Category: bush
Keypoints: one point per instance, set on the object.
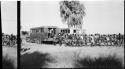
(34, 60)
(7, 63)
(101, 62)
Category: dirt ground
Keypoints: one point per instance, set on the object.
(64, 56)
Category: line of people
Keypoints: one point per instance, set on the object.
(9, 40)
(92, 39)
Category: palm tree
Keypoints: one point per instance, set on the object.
(72, 13)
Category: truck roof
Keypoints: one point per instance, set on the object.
(44, 27)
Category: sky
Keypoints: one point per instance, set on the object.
(101, 16)
(105, 17)
(9, 17)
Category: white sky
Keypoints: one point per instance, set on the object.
(9, 17)
(101, 16)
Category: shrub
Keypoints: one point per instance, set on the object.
(7, 63)
(34, 60)
(101, 62)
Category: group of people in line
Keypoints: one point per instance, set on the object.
(91, 39)
(9, 40)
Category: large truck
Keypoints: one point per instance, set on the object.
(43, 34)
(48, 35)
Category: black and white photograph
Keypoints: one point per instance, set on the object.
(9, 34)
(71, 34)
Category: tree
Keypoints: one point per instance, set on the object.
(72, 13)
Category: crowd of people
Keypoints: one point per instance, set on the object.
(91, 39)
(9, 40)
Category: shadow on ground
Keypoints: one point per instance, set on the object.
(34, 60)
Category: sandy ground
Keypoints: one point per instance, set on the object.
(64, 56)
